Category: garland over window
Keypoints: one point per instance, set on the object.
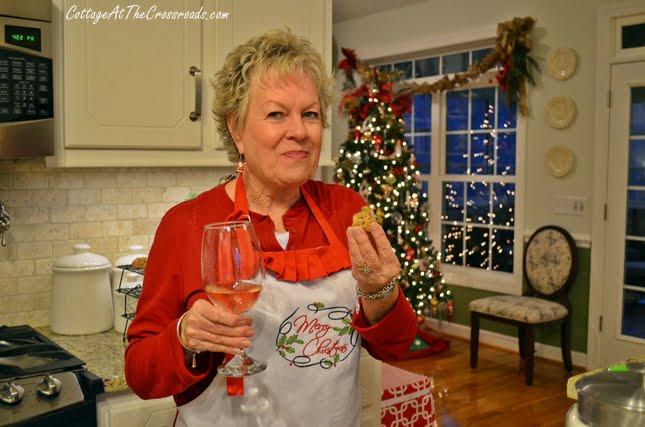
(511, 51)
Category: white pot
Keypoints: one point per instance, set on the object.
(125, 304)
(81, 296)
(134, 252)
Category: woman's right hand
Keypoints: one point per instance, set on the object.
(208, 327)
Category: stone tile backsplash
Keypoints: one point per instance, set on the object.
(52, 209)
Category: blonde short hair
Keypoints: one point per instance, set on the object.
(277, 51)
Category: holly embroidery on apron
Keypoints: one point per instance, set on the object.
(317, 336)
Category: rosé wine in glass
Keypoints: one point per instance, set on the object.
(233, 276)
(239, 297)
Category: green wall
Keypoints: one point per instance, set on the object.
(578, 295)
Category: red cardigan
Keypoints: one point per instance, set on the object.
(154, 358)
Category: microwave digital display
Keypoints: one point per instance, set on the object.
(28, 37)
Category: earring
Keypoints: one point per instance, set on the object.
(241, 164)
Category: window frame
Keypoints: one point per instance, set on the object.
(618, 24)
(471, 277)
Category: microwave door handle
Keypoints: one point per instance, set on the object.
(197, 73)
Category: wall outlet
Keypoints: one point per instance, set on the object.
(569, 205)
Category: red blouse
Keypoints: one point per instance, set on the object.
(154, 359)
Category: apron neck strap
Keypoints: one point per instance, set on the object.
(241, 211)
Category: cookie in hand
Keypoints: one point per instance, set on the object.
(363, 218)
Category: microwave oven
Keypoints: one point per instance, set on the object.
(26, 79)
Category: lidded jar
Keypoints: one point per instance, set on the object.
(81, 296)
(134, 252)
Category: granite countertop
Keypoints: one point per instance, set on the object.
(572, 393)
(102, 353)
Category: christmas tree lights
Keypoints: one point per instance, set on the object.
(377, 162)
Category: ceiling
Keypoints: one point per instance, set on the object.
(344, 10)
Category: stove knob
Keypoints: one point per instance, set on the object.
(11, 393)
(49, 386)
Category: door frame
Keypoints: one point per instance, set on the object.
(605, 58)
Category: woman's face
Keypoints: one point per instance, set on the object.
(281, 135)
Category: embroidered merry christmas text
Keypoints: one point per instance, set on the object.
(317, 336)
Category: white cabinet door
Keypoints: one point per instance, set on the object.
(369, 377)
(124, 91)
(125, 409)
(126, 80)
(312, 19)
(253, 17)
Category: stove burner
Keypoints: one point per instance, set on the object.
(42, 384)
(25, 351)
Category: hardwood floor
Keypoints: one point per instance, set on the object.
(494, 394)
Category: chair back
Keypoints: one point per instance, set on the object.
(550, 263)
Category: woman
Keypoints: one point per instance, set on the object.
(272, 98)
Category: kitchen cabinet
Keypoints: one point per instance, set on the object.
(130, 86)
(125, 409)
(369, 378)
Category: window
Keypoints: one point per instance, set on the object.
(466, 144)
(630, 35)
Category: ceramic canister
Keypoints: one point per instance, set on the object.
(81, 296)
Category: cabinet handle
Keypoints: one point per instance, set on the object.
(197, 73)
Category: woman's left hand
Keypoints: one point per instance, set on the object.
(374, 265)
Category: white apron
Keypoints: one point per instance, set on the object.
(304, 333)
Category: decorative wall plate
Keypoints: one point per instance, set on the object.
(560, 161)
(560, 112)
(561, 63)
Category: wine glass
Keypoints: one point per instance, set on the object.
(233, 276)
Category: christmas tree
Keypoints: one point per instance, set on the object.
(377, 162)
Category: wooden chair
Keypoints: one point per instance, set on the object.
(550, 265)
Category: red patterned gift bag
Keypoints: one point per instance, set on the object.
(406, 399)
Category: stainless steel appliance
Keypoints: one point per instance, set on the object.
(614, 397)
(42, 384)
(26, 79)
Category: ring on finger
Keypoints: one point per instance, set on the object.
(365, 269)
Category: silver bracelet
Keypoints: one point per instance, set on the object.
(192, 353)
(382, 293)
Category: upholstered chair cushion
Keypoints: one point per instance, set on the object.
(523, 309)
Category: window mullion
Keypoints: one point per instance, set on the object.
(491, 208)
(437, 168)
(493, 135)
(469, 127)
